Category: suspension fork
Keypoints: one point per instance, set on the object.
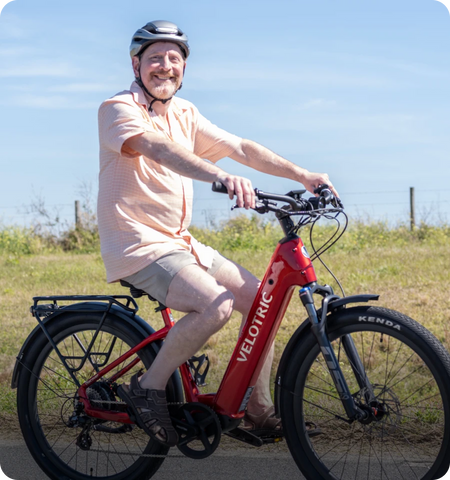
(358, 368)
(318, 329)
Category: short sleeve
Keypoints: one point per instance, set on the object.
(118, 121)
(213, 143)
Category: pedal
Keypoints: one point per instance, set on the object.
(195, 364)
(268, 436)
(245, 436)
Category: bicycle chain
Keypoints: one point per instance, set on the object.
(144, 455)
(115, 402)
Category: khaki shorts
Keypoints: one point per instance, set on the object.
(156, 277)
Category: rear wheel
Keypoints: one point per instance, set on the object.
(408, 435)
(64, 441)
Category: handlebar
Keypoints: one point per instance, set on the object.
(293, 199)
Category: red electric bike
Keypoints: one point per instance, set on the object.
(375, 383)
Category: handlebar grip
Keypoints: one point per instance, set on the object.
(219, 187)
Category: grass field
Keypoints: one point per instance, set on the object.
(409, 270)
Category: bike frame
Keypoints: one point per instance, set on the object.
(289, 267)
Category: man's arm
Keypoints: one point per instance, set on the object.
(182, 161)
(262, 159)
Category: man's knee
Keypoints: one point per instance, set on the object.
(221, 309)
(227, 305)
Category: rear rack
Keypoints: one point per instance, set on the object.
(42, 312)
(45, 309)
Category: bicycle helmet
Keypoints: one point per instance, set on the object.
(158, 31)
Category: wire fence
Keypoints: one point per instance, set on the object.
(392, 206)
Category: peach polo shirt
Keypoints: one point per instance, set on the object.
(144, 208)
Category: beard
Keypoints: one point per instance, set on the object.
(163, 90)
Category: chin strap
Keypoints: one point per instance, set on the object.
(155, 99)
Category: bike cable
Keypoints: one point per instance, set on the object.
(317, 253)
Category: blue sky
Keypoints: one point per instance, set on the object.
(357, 89)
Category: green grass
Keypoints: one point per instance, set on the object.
(408, 269)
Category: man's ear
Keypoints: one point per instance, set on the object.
(135, 63)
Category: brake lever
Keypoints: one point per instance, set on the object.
(263, 206)
(336, 202)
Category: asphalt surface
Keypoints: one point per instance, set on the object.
(228, 463)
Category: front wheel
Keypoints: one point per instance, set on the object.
(408, 435)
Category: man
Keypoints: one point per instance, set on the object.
(151, 147)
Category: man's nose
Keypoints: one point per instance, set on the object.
(165, 63)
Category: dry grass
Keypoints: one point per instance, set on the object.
(412, 279)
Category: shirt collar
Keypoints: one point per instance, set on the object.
(138, 95)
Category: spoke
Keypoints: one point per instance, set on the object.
(118, 453)
(70, 444)
(420, 388)
(135, 441)
(345, 454)
(362, 348)
(395, 360)
(357, 465)
(387, 361)
(371, 347)
(404, 459)
(395, 463)
(311, 373)
(374, 451)
(50, 388)
(324, 409)
(321, 391)
(399, 370)
(71, 458)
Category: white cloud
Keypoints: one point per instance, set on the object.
(388, 65)
(52, 102)
(315, 103)
(13, 26)
(13, 51)
(84, 88)
(39, 70)
(235, 76)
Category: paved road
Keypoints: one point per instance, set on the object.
(229, 463)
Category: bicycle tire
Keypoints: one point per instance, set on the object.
(46, 399)
(410, 372)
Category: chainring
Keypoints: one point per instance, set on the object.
(199, 430)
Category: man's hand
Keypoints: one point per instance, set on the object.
(241, 187)
(312, 180)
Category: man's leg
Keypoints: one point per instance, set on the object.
(208, 305)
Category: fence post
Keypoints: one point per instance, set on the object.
(77, 214)
(412, 214)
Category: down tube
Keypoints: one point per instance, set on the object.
(289, 267)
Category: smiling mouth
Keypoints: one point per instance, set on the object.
(163, 79)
